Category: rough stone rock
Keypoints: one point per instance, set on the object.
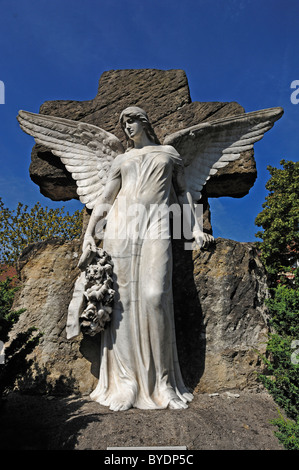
(219, 312)
(165, 95)
(48, 271)
(221, 317)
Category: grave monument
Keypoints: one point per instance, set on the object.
(129, 293)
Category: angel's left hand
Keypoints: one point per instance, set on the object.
(203, 240)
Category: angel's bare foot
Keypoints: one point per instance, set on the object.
(177, 404)
(120, 405)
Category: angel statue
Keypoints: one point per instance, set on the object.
(139, 363)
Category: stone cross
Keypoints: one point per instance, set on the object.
(165, 96)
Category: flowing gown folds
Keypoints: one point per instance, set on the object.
(139, 364)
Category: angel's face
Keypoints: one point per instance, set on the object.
(133, 127)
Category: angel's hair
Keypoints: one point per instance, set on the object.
(140, 114)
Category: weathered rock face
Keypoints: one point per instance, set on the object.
(48, 272)
(220, 318)
(166, 98)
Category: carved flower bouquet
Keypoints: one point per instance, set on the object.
(98, 293)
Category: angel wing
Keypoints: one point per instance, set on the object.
(209, 146)
(87, 151)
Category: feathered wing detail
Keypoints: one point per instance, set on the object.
(209, 146)
(87, 151)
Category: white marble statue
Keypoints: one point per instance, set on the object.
(139, 363)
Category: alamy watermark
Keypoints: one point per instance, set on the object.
(295, 95)
(295, 354)
(2, 354)
(2, 92)
(137, 221)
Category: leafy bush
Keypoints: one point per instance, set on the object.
(282, 375)
(282, 378)
(279, 253)
(14, 358)
(7, 316)
(284, 366)
(20, 227)
(288, 432)
(280, 218)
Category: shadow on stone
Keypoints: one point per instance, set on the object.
(33, 418)
(190, 328)
(90, 347)
(16, 363)
(35, 422)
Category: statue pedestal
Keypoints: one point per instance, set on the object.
(219, 312)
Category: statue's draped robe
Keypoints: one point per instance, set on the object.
(139, 364)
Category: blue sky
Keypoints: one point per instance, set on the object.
(231, 50)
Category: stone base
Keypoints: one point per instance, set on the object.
(219, 310)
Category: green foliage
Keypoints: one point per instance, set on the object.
(20, 227)
(280, 218)
(279, 253)
(288, 432)
(15, 363)
(282, 379)
(282, 382)
(7, 316)
(284, 307)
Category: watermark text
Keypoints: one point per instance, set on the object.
(2, 92)
(295, 95)
(2, 354)
(295, 354)
(138, 221)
